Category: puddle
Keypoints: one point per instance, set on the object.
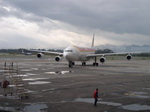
(65, 72)
(2, 71)
(59, 72)
(31, 108)
(110, 103)
(34, 79)
(146, 88)
(34, 69)
(20, 75)
(132, 107)
(91, 100)
(36, 108)
(138, 94)
(52, 89)
(54, 73)
(136, 107)
(39, 82)
(28, 69)
(25, 70)
(86, 100)
(29, 74)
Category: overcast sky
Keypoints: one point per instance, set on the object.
(60, 23)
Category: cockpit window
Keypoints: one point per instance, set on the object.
(68, 51)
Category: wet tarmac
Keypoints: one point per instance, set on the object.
(124, 86)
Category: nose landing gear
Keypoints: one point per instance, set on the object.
(71, 64)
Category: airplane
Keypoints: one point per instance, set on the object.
(76, 53)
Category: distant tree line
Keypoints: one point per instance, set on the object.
(18, 51)
(11, 51)
(143, 55)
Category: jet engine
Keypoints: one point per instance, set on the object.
(40, 55)
(102, 59)
(58, 58)
(129, 56)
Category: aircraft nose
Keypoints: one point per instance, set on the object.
(68, 56)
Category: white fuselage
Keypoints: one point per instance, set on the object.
(74, 53)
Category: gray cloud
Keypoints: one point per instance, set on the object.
(119, 16)
(115, 21)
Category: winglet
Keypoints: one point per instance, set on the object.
(93, 40)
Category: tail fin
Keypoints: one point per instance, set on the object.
(93, 40)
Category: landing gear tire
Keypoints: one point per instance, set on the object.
(95, 64)
(71, 64)
(83, 63)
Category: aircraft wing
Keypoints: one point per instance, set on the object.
(103, 54)
(47, 52)
(109, 54)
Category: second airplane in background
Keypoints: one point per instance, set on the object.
(75, 53)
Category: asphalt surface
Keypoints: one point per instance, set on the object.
(124, 86)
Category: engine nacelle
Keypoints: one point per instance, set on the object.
(40, 55)
(129, 57)
(58, 58)
(102, 59)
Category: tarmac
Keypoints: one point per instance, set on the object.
(124, 86)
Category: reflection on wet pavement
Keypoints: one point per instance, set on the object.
(25, 70)
(52, 89)
(138, 94)
(28, 69)
(30, 108)
(34, 79)
(91, 100)
(119, 78)
(30, 74)
(133, 107)
(39, 82)
(136, 107)
(59, 72)
(36, 108)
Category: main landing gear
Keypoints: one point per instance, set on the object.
(95, 62)
(71, 63)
